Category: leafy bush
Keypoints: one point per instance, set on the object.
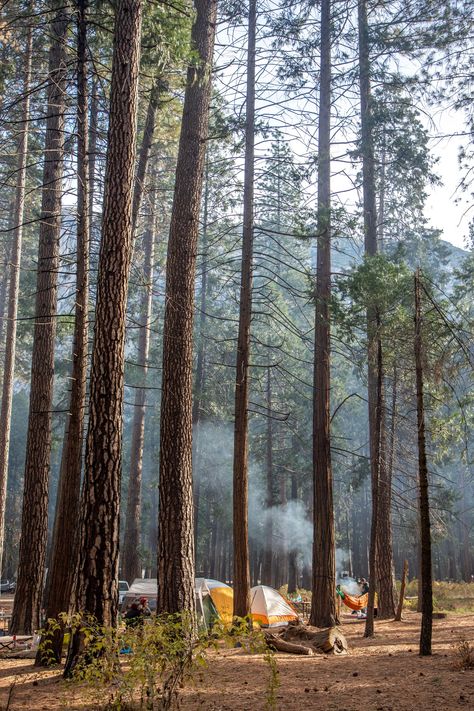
(146, 666)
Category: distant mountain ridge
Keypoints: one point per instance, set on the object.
(348, 252)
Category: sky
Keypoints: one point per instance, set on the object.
(441, 207)
(446, 208)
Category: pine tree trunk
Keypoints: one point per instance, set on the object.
(200, 369)
(293, 558)
(367, 143)
(13, 270)
(213, 549)
(384, 560)
(92, 140)
(268, 547)
(280, 573)
(418, 568)
(464, 531)
(424, 504)
(97, 579)
(365, 528)
(385, 567)
(348, 542)
(240, 466)
(393, 424)
(175, 518)
(8, 247)
(382, 188)
(131, 563)
(144, 154)
(153, 530)
(34, 525)
(375, 473)
(254, 564)
(356, 513)
(224, 547)
(380, 555)
(323, 607)
(398, 614)
(230, 559)
(65, 539)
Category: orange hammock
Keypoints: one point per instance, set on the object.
(356, 602)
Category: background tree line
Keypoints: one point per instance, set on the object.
(208, 285)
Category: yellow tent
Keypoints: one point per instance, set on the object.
(214, 601)
(223, 599)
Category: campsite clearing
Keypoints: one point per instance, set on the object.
(381, 674)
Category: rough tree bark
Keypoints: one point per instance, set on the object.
(175, 518)
(465, 524)
(375, 353)
(401, 598)
(145, 148)
(374, 349)
(393, 424)
(268, 547)
(152, 534)
(65, 539)
(213, 548)
(323, 606)
(131, 564)
(13, 269)
(34, 524)
(92, 140)
(384, 559)
(241, 576)
(97, 579)
(384, 541)
(385, 566)
(200, 380)
(280, 567)
(293, 557)
(7, 251)
(367, 142)
(424, 503)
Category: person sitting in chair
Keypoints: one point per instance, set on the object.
(138, 611)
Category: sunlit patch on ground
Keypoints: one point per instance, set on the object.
(380, 674)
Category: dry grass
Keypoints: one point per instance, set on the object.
(463, 655)
(447, 597)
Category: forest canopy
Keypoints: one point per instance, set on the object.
(236, 315)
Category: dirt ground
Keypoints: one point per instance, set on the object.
(381, 674)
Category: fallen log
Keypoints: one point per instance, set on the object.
(299, 636)
(275, 642)
(19, 654)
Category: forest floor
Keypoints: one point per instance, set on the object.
(380, 674)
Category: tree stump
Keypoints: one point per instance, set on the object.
(298, 637)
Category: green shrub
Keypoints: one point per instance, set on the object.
(158, 659)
